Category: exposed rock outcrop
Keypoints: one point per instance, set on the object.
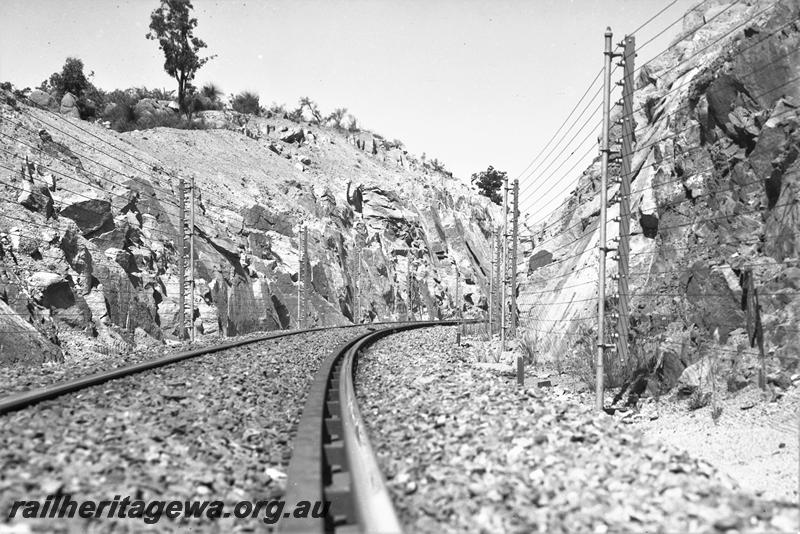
(374, 229)
(715, 192)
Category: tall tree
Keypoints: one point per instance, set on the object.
(490, 183)
(173, 26)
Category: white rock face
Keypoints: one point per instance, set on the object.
(705, 149)
(375, 228)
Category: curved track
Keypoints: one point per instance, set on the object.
(332, 460)
(21, 400)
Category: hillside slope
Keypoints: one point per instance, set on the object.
(714, 200)
(90, 227)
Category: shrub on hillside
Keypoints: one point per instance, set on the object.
(208, 98)
(72, 80)
(311, 108)
(277, 110)
(170, 121)
(394, 143)
(246, 102)
(352, 124)
(120, 111)
(336, 118)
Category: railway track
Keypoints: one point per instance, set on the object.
(333, 460)
(176, 396)
(21, 400)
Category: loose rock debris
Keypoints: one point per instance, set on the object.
(464, 450)
(218, 427)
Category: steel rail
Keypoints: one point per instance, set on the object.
(24, 399)
(332, 460)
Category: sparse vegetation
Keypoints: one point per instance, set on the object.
(394, 143)
(306, 104)
(352, 124)
(437, 166)
(336, 118)
(490, 183)
(278, 110)
(529, 352)
(246, 102)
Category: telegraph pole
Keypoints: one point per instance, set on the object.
(306, 277)
(513, 284)
(514, 239)
(504, 268)
(409, 312)
(358, 284)
(458, 304)
(603, 250)
(191, 255)
(498, 254)
(300, 277)
(181, 261)
(491, 291)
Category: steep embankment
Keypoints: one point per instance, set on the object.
(91, 221)
(714, 200)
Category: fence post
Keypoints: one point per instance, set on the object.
(182, 260)
(603, 250)
(623, 245)
(755, 332)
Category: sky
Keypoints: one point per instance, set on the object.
(472, 83)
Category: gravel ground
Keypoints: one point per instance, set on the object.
(465, 450)
(217, 427)
(755, 441)
(20, 377)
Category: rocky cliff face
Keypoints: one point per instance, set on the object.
(715, 191)
(91, 223)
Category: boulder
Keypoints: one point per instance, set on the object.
(69, 106)
(36, 197)
(150, 107)
(40, 98)
(539, 259)
(41, 280)
(114, 238)
(21, 342)
(295, 135)
(123, 258)
(695, 377)
(92, 215)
